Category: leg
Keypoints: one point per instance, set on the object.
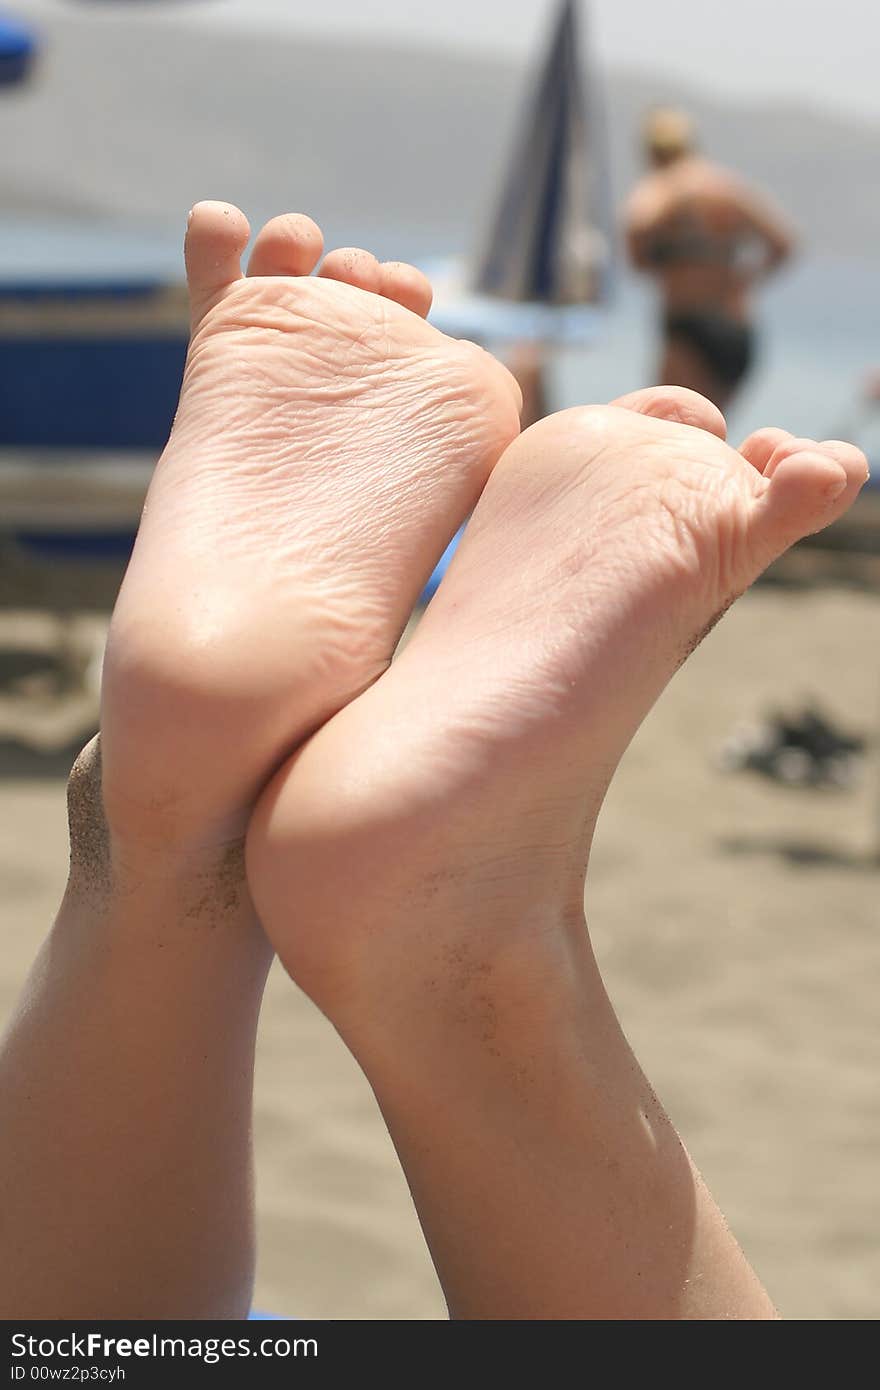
(125, 1088)
(682, 365)
(328, 443)
(461, 794)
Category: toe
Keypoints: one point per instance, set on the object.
(288, 245)
(787, 447)
(851, 459)
(758, 448)
(216, 236)
(676, 403)
(352, 266)
(808, 485)
(834, 452)
(407, 286)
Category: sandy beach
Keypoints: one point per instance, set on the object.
(738, 924)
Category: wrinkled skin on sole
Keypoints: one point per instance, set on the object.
(327, 444)
(462, 789)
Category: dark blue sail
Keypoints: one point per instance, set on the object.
(549, 238)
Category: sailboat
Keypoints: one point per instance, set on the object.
(543, 272)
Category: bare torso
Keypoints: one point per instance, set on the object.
(704, 236)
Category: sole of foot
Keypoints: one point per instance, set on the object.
(444, 819)
(328, 443)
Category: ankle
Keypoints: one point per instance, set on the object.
(476, 1008)
(408, 965)
(152, 891)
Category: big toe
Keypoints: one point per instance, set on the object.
(677, 404)
(808, 486)
(216, 236)
(288, 245)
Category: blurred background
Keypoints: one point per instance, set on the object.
(734, 892)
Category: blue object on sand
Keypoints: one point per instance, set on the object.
(442, 566)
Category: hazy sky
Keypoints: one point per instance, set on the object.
(828, 52)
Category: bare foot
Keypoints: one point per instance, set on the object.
(327, 445)
(436, 823)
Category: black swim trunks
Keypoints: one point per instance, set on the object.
(725, 344)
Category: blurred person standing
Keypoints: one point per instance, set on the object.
(708, 239)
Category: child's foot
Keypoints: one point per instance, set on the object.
(327, 445)
(436, 824)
